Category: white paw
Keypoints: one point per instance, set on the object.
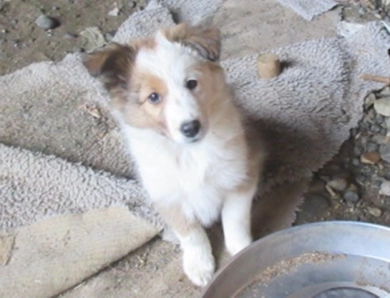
(237, 244)
(198, 265)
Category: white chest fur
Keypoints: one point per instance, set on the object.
(195, 176)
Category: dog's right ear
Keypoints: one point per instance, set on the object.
(206, 41)
(112, 65)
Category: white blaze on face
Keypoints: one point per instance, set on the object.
(174, 65)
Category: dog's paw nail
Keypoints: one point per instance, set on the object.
(199, 268)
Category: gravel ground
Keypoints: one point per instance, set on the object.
(355, 184)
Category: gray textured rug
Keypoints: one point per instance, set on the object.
(309, 9)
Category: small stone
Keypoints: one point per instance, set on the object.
(132, 4)
(382, 106)
(109, 35)
(369, 100)
(387, 123)
(379, 139)
(93, 38)
(46, 22)
(356, 162)
(362, 11)
(385, 152)
(69, 35)
(370, 147)
(385, 92)
(114, 12)
(375, 128)
(370, 158)
(385, 188)
(351, 196)
(357, 151)
(339, 184)
(352, 187)
(374, 211)
(380, 118)
(363, 140)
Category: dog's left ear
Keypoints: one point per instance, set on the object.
(112, 65)
(206, 41)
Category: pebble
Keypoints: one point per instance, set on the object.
(356, 162)
(369, 100)
(385, 188)
(339, 184)
(109, 35)
(46, 22)
(351, 196)
(114, 12)
(364, 140)
(374, 211)
(370, 147)
(132, 4)
(385, 152)
(382, 106)
(378, 139)
(93, 38)
(370, 158)
(69, 35)
(385, 92)
(375, 128)
(357, 151)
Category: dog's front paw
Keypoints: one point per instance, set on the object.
(198, 265)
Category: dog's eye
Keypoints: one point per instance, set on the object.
(191, 84)
(154, 98)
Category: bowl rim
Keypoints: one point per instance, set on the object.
(276, 234)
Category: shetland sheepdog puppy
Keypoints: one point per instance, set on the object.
(193, 153)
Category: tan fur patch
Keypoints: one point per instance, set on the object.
(148, 43)
(140, 111)
(175, 218)
(205, 41)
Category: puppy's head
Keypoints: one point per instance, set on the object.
(167, 83)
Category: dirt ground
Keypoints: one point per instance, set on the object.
(357, 193)
(23, 42)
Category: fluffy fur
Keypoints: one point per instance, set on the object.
(193, 177)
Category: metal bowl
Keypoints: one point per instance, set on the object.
(327, 259)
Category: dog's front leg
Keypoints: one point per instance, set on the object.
(198, 260)
(236, 213)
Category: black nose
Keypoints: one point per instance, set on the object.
(190, 129)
